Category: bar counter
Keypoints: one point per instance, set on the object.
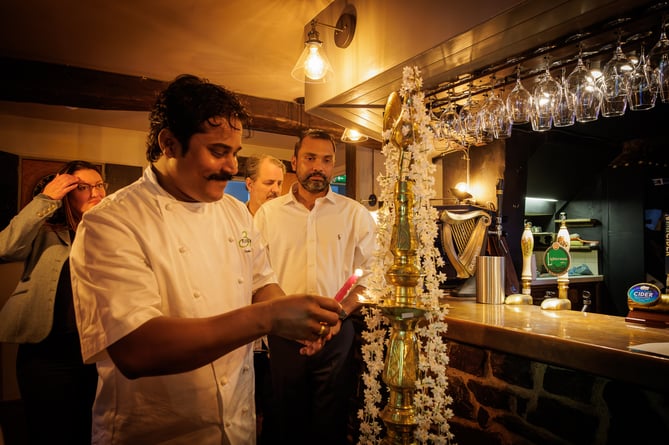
(594, 343)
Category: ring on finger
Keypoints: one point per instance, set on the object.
(322, 330)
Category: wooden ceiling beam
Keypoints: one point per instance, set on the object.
(55, 84)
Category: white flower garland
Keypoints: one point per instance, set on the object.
(431, 398)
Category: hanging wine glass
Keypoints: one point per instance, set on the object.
(469, 121)
(614, 83)
(564, 109)
(658, 59)
(519, 102)
(486, 120)
(642, 92)
(504, 123)
(545, 95)
(586, 94)
(497, 117)
(450, 122)
(435, 125)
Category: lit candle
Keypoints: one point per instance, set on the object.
(341, 293)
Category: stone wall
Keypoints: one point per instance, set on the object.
(506, 399)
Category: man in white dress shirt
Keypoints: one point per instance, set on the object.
(164, 275)
(316, 239)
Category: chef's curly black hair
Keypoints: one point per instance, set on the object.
(184, 107)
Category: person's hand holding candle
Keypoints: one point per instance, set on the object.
(341, 293)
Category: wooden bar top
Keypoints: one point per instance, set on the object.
(594, 343)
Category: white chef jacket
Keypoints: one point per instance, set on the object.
(316, 251)
(141, 254)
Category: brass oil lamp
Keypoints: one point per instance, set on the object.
(400, 308)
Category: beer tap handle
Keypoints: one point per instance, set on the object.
(500, 195)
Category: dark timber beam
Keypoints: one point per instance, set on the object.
(54, 84)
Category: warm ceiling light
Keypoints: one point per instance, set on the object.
(352, 136)
(313, 65)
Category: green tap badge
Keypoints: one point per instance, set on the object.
(557, 259)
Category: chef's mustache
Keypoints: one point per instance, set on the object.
(220, 177)
(322, 176)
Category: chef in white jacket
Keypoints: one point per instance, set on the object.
(172, 285)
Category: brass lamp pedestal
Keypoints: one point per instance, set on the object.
(400, 374)
(401, 364)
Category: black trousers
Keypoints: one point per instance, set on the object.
(57, 390)
(311, 394)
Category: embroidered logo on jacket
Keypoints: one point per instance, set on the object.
(245, 242)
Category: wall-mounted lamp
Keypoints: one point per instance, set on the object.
(313, 65)
(352, 136)
(461, 192)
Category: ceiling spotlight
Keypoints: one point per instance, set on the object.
(313, 65)
(352, 136)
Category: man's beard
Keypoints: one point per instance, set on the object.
(315, 187)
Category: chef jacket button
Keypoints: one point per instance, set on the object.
(168, 206)
(224, 381)
(231, 239)
(182, 249)
(245, 368)
(245, 410)
(240, 280)
(197, 294)
(228, 424)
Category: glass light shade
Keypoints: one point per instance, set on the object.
(313, 65)
(352, 136)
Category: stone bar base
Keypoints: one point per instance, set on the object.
(506, 399)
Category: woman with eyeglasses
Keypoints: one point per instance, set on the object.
(57, 388)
